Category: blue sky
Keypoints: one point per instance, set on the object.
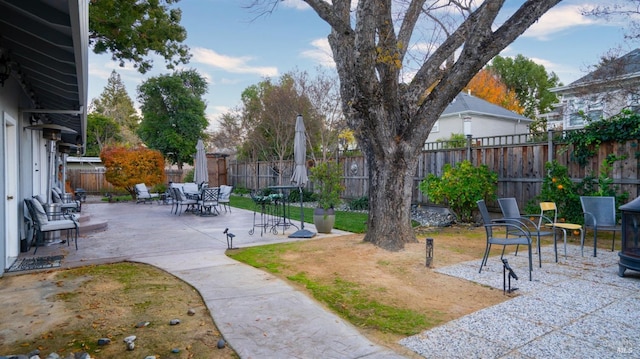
(233, 48)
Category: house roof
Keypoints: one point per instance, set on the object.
(46, 42)
(465, 104)
(624, 68)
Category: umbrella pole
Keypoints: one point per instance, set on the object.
(302, 233)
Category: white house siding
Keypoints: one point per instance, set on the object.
(481, 126)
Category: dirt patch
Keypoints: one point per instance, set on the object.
(69, 310)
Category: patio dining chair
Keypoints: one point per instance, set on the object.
(181, 201)
(600, 215)
(225, 197)
(208, 201)
(547, 208)
(510, 210)
(42, 224)
(520, 235)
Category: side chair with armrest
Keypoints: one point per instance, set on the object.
(143, 195)
(42, 224)
(208, 201)
(70, 205)
(510, 210)
(520, 235)
(600, 215)
(181, 200)
(225, 196)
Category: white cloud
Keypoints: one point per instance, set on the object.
(558, 19)
(321, 53)
(295, 4)
(231, 64)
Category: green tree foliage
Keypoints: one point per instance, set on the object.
(460, 187)
(129, 30)
(101, 131)
(114, 102)
(267, 117)
(127, 167)
(530, 81)
(326, 177)
(456, 140)
(173, 114)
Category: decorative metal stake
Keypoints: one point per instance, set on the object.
(507, 272)
(229, 238)
(429, 252)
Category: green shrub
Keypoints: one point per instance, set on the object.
(307, 196)
(460, 187)
(359, 204)
(189, 176)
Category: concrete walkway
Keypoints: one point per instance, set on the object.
(259, 315)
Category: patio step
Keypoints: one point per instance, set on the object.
(89, 224)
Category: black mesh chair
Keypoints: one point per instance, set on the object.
(520, 235)
(600, 215)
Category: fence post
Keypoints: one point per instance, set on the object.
(469, 148)
(549, 145)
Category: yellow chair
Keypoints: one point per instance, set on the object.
(546, 208)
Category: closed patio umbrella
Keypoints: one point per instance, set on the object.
(201, 174)
(299, 177)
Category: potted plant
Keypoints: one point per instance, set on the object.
(326, 178)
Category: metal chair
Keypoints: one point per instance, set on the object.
(181, 200)
(143, 195)
(600, 215)
(42, 224)
(208, 201)
(521, 235)
(225, 196)
(510, 210)
(545, 208)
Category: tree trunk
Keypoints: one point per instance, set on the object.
(390, 189)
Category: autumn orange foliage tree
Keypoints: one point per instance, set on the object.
(489, 87)
(127, 167)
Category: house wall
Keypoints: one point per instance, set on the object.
(595, 106)
(481, 126)
(10, 210)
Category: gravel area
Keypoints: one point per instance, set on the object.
(576, 308)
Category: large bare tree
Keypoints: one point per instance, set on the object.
(392, 116)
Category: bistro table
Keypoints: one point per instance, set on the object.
(282, 209)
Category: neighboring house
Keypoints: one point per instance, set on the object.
(470, 115)
(600, 94)
(84, 163)
(43, 101)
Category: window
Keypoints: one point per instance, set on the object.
(436, 127)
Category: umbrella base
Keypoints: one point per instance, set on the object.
(303, 233)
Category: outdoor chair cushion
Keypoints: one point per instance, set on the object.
(190, 188)
(41, 214)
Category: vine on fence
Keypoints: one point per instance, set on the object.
(620, 128)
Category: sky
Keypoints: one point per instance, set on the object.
(234, 48)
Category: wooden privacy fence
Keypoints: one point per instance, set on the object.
(94, 181)
(519, 161)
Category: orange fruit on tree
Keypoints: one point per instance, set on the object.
(560, 186)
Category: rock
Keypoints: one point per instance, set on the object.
(174, 322)
(142, 324)
(175, 350)
(129, 339)
(104, 341)
(150, 357)
(131, 345)
(221, 344)
(191, 311)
